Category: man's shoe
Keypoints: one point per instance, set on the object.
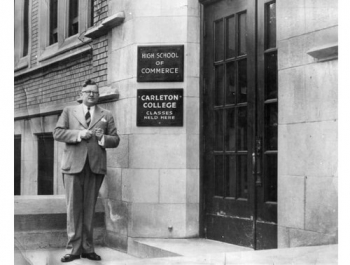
(70, 257)
(92, 256)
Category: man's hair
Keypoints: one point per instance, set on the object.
(89, 82)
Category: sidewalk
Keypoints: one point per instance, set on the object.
(315, 255)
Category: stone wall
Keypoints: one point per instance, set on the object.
(307, 141)
(152, 183)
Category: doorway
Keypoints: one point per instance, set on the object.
(239, 122)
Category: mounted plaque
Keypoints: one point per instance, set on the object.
(159, 107)
(160, 63)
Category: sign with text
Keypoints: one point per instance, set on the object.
(160, 63)
(159, 107)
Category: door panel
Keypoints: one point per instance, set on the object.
(240, 123)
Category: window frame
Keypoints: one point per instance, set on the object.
(21, 61)
(64, 42)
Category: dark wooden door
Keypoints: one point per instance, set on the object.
(240, 122)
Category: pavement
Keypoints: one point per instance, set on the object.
(191, 252)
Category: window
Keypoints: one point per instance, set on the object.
(22, 34)
(17, 164)
(66, 22)
(45, 164)
(53, 21)
(73, 25)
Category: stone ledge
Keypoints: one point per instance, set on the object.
(45, 204)
(105, 26)
(324, 53)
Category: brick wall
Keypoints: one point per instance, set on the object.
(61, 81)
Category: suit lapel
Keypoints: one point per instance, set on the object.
(79, 115)
(98, 114)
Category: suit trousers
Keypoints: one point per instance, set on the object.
(81, 196)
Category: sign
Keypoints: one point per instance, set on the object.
(160, 63)
(159, 107)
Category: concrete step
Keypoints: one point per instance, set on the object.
(158, 248)
(40, 222)
(53, 257)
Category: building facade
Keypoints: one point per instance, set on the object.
(249, 158)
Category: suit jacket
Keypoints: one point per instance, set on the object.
(70, 123)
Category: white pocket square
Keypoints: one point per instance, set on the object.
(103, 119)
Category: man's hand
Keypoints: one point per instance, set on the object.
(86, 134)
(99, 133)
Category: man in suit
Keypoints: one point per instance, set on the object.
(87, 130)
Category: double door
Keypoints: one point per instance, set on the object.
(239, 118)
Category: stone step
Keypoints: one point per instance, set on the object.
(159, 248)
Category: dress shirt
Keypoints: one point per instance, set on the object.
(92, 111)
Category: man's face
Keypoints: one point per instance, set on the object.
(90, 95)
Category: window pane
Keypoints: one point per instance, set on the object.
(219, 176)
(242, 129)
(73, 17)
(271, 76)
(53, 21)
(231, 136)
(219, 85)
(17, 164)
(219, 130)
(242, 176)
(271, 25)
(230, 32)
(45, 164)
(231, 176)
(230, 83)
(91, 19)
(271, 124)
(219, 40)
(25, 28)
(242, 33)
(271, 177)
(242, 81)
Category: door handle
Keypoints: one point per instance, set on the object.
(256, 170)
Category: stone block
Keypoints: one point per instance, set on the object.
(300, 238)
(116, 216)
(124, 122)
(29, 178)
(192, 59)
(321, 213)
(18, 128)
(320, 14)
(192, 220)
(164, 30)
(154, 220)
(192, 186)
(291, 18)
(291, 201)
(191, 113)
(192, 87)
(308, 93)
(30, 150)
(28, 131)
(122, 36)
(140, 185)
(111, 187)
(117, 59)
(150, 8)
(193, 29)
(308, 149)
(119, 157)
(172, 186)
(192, 151)
(116, 241)
(49, 123)
(157, 151)
(283, 237)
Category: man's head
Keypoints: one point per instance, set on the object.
(90, 93)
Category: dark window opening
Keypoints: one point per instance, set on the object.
(91, 14)
(73, 17)
(25, 28)
(17, 164)
(45, 164)
(53, 21)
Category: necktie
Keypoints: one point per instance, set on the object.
(88, 117)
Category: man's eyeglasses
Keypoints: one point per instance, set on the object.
(91, 92)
